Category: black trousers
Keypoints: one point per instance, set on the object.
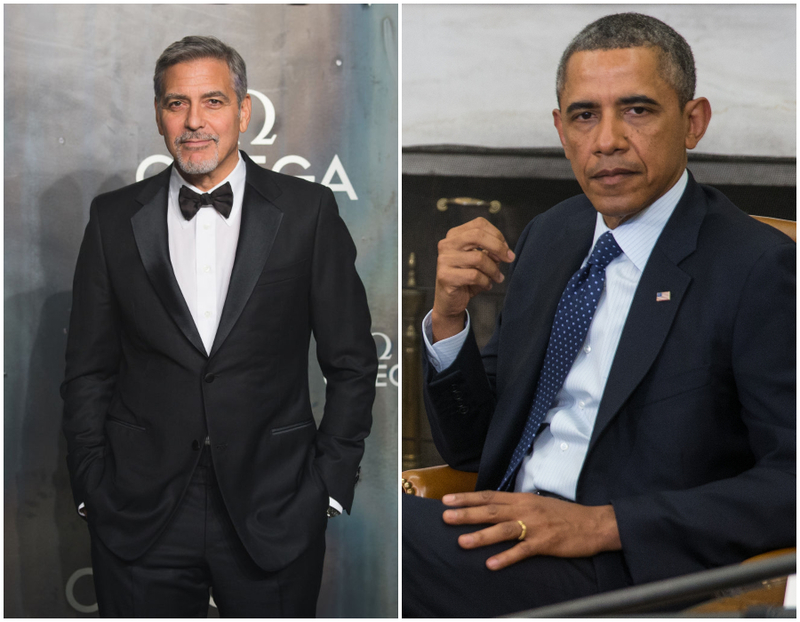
(440, 579)
(199, 550)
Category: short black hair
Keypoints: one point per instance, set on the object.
(629, 30)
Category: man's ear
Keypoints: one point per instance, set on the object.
(158, 118)
(698, 115)
(244, 114)
(560, 130)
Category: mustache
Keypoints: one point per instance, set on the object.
(187, 136)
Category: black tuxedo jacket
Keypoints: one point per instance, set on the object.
(694, 441)
(141, 394)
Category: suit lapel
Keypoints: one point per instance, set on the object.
(260, 222)
(564, 256)
(150, 232)
(538, 299)
(649, 321)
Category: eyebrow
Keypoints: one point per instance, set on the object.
(585, 105)
(216, 95)
(209, 95)
(625, 101)
(638, 99)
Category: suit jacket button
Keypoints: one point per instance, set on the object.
(209, 377)
(195, 444)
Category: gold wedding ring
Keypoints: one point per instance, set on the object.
(524, 530)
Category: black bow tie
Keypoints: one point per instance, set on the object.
(221, 200)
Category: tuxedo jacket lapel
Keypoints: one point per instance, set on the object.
(150, 232)
(649, 320)
(261, 220)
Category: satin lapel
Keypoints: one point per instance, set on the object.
(649, 321)
(260, 222)
(150, 232)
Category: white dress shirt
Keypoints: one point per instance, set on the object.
(559, 449)
(202, 250)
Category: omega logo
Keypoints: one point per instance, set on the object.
(383, 373)
(335, 168)
(73, 602)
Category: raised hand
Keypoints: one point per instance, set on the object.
(469, 263)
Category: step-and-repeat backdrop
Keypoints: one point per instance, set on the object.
(79, 121)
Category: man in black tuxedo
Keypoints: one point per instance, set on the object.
(658, 440)
(192, 448)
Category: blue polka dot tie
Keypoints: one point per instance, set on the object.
(570, 325)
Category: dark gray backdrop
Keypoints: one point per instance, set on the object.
(79, 121)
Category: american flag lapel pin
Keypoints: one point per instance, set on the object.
(663, 296)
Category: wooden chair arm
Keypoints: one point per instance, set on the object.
(777, 553)
(769, 593)
(435, 482)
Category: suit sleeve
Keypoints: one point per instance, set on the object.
(92, 363)
(725, 521)
(460, 400)
(345, 350)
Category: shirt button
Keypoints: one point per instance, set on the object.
(207, 314)
(207, 269)
(587, 349)
(206, 226)
(564, 446)
(582, 404)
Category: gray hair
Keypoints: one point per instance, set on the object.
(196, 48)
(629, 30)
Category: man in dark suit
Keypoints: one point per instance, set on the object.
(193, 451)
(638, 393)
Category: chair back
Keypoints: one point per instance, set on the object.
(789, 227)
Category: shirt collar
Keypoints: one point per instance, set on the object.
(637, 236)
(236, 178)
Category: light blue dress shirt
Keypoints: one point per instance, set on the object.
(560, 447)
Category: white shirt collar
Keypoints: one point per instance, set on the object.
(637, 236)
(236, 178)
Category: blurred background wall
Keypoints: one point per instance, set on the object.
(478, 136)
(485, 74)
(79, 121)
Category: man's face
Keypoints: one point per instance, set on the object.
(200, 120)
(623, 130)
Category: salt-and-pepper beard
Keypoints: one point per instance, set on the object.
(197, 168)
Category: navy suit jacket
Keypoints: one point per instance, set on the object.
(141, 393)
(694, 441)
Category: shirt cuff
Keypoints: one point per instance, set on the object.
(442, 353)
(335, 505)
(81, 509)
